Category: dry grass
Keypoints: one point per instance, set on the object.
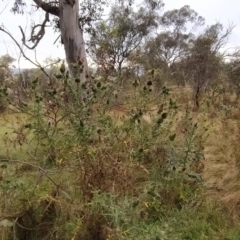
(222, 155)
(221, 150)
(12, 134)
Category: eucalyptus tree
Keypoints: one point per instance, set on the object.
(176, 33)
(203, 65)
(69, 17)
(113, 40)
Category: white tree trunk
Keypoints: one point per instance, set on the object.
(72, 37)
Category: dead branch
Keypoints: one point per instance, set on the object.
(38, 65)
(223, 40)
(35, 38)
(4, 8)
(47, 7)
(18, 45)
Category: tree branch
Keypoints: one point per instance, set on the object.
(47, 7)
(223, 40)
(22, 52)
(35, 38)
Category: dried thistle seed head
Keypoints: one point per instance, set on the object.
(149, 83)
(164, 115)
(160, 121)
(99, 84)
(144, 215)
(99, 131)
(140, 150)
(62, 67)
(77, 80)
